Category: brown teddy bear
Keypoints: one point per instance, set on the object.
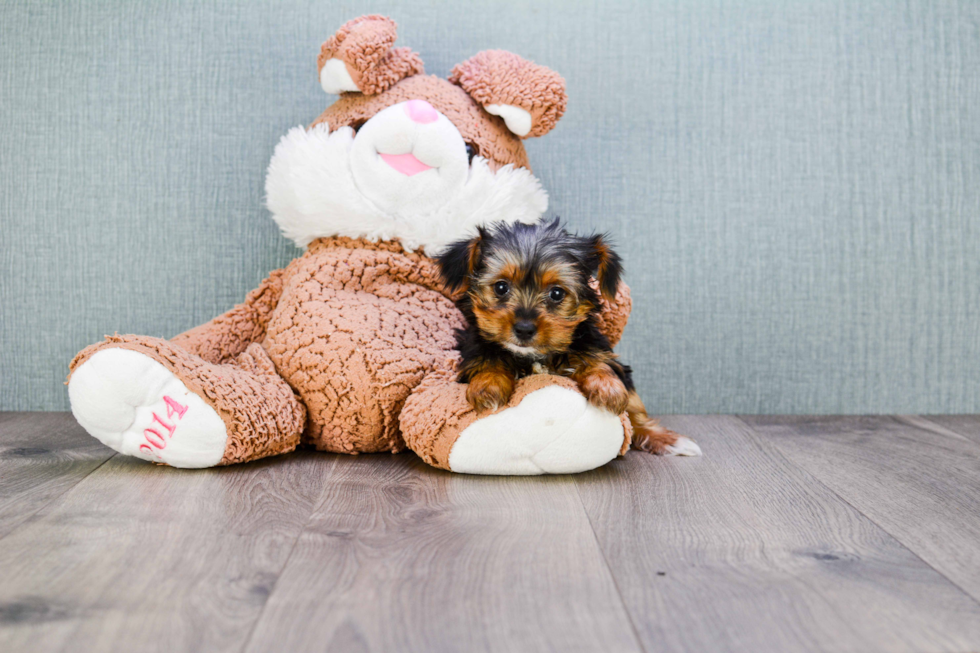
(350, 348)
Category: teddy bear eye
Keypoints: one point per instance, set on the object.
(470, 151)
(556, 294)
(501, 288)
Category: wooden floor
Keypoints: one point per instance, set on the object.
(790, 534)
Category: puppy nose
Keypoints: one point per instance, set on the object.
(525, 329)
(421, 111)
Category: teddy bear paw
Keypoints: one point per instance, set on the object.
(553, 430)
(135, 405)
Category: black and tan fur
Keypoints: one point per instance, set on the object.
(530, 308)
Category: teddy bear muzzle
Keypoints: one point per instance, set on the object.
(409, 153)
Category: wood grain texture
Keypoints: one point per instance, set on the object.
(965, 425)
(42, 455)
(741, 550)
(403, 557)
(918, 480)
(836, 534)
(139, 557)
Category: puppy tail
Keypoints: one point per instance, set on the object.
(651, 437)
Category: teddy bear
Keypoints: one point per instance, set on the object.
(350, 348)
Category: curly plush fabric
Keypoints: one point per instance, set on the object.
(488, 134)
(351, 346)
(365, 46)
(501, 77)
(359, 326)
(614, 314)
(228, 335)
(437, 412)
(262, 416)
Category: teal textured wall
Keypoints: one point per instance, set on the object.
(795, 186)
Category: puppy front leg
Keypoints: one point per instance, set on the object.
(602, 387)
(490, 387)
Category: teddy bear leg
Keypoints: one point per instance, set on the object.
(148, 398)
(547, 427)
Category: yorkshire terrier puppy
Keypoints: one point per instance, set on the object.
(530, 308)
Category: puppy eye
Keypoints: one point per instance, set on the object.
(470, 151)
(501, 288)
(556, 294)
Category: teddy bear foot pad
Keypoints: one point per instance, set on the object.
(553, 430)
(135, 405)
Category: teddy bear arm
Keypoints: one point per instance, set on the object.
(547, 426)
(614, 314)
(228, 335)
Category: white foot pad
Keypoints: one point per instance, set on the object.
(553, 430)
(684, 446)
(136, 406)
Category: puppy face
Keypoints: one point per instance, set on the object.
(527, 286)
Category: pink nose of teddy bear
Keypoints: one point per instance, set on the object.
(421, 111)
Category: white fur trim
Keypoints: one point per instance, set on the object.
(311, 193)
(553, 430)
(119, 397)
(517, 119)
(335, 79)
(436, 143)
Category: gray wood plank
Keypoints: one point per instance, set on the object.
(403, 557)
(139, 557)
(741, 550)
(965, 425)
(918, 481)
(42, 456)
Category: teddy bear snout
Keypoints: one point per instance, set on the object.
(421, 111)
(414, 128)
(409, 158)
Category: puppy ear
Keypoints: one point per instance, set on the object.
(458, 262)
(607, 264)
(360, 57)
(530, 98)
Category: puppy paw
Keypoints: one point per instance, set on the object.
(604, 390)
(489, 390)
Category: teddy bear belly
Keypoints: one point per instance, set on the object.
(354, 357)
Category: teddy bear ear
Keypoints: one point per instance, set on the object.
(530, 98)
(360, 57)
